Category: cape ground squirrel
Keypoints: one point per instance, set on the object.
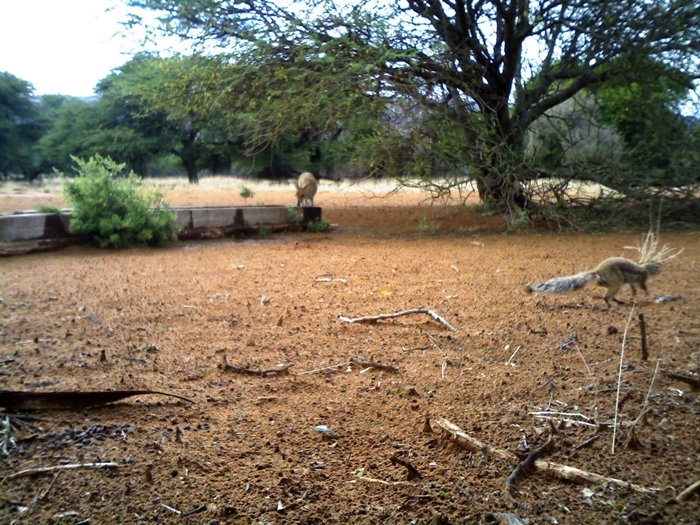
(611, 273)
(307, 186)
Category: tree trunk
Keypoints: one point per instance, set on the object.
(499, 176)
(190, 165)
(188, 156)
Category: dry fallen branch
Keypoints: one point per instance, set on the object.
(556, 470)
(383, 482)
(44, 470)
(325, 368)
(364, 363)
(412, 472)
(282, 370)
(692, 381)
(687, 493)
(16, 400)
(375, 318)
(521, 469)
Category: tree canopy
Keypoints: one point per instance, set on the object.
(483, 70)
(19, 129)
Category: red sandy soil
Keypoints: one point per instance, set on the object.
(247, 451)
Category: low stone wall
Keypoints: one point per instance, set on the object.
(49, 229)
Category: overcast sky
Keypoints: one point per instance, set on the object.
(63, 46)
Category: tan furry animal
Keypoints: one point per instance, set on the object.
(307, 186)
(612, 273)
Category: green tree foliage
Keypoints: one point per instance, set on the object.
(463, 67)
(19, 129)
(163, 101)
(70, 125)
(644, 109)
(112, 210)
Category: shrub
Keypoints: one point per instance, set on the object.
(427, 226)
(264, 230)
(317, 226)
(112, 210)
(246, 193)
(47, 208)
(293, 215)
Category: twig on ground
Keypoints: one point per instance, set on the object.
(514, 354)
(178, 512)
(44, 470)
(412, 471)
(283, 370)
(41, 495)
(556, 470)
(196, 510)
(545, 413)
(692, 381)
(522, 467)
(22, 400)
(643, 331)
(552, 388)
(445, 360)
(373, 364)
(583, 359)
(645, 405)
(588, 442)
(329, 280)
(585, 306)
(687, 493)
(572, 339)
(619, 377)
(375, 318)
(383, 482)
(542, 332)
(315, 370)
(564, 416)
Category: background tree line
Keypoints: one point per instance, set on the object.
(512, 96)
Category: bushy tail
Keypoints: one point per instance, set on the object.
(562, 284)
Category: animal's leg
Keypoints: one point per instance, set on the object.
(611, 293)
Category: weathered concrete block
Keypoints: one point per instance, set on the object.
(22, 226)
(213, 217)
(184, 218)
(265, 215)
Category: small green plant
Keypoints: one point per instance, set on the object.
(317, 225)
(427, 226)
(112, 210)
(47, 208)
(516, 221)
(260, 203)
(293, 215)
(264, 230)
(246, 193)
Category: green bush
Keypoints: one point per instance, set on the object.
(317, 226)
(47, 208)
(112, 210)
(246, 193)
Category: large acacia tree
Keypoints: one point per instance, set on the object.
(489, 68)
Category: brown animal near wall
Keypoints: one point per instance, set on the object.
(307, 186)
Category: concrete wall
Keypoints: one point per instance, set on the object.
(27, 226)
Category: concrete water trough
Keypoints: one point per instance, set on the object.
(44, 231)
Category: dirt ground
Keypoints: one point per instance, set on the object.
(253, 449)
